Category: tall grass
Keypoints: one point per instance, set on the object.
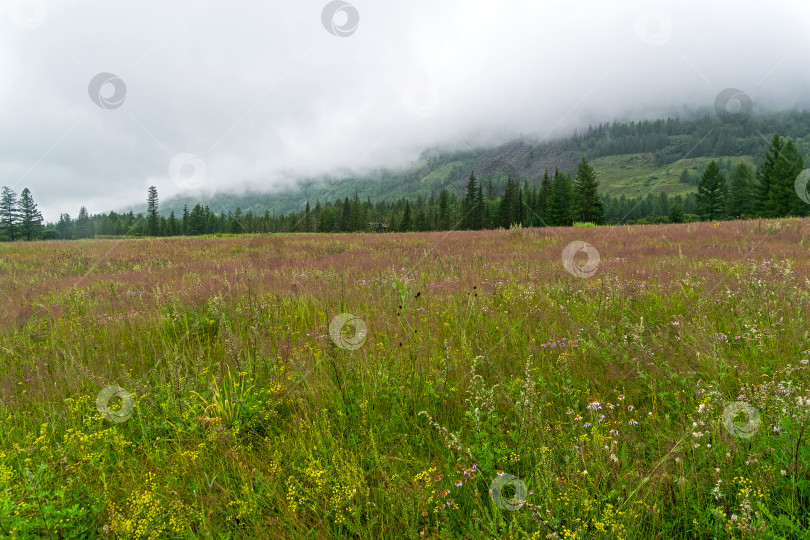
(486, 368)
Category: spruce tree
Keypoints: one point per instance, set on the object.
(84, 226)
(782, 197)
(676, 213)
(765, 178)
(307, 218)
(346, 216)
(172, 225)
(30, 217)
(185, 223)
(470, 207)
(481, 220)
(9, 213)
(405, 224)
(444, 210)
(152, 211)
(741, 192)
(544, 195)
(65, 226)
(506, 207)
(587, 205)
(559, 202)
(712, 191)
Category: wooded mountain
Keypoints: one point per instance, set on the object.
(661, 143)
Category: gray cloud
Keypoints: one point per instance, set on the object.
(264, 94)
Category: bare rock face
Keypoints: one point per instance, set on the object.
(528, 159)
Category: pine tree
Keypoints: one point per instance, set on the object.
(152, 211)
(587, 204)
(559, 201)
(739, 202)
(782, 197)
(9, 213)
(712, 191)
(30, 216)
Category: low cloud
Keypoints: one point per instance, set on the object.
(265, 93)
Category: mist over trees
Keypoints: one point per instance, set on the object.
(724, 190)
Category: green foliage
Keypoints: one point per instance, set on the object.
(712, 192)
(587, 205)
(559, 203)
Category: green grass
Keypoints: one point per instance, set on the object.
(635, 175)
(482, 356)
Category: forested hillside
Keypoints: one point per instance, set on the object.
(654, 155)
(648, 171)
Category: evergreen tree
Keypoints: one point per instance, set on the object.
(782, 197)
(741, 192)
(444, 210)
(172, 226)
(663, 203)
(317, 217)
(356, 213)
(84, 225)
(544, 195)
(559, 202)
(346, 216)
(307, 218)
(9, 213)
(507, 205)
(712, 191)
(405, 224)
(30, 216)
(470, 203)
(65, 226)
(185, 220)
(152, 211)
(587, 204)
(676, 213)
(480, 213)
(196, 221)
(765, 177)
(421, 223)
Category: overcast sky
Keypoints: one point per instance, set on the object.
(205, 95)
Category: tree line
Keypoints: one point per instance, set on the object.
(557, 199)
(703, 136)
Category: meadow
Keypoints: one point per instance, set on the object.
(205, 387)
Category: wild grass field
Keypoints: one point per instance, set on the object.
(193, 387)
